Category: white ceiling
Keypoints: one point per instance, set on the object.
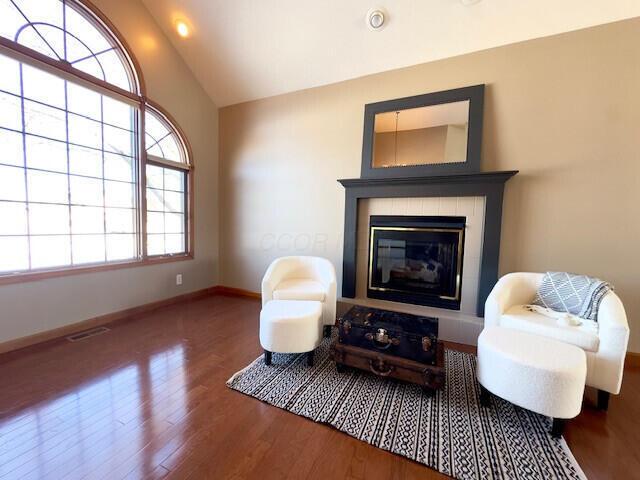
(243, 50)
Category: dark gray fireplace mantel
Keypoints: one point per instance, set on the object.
(485, 184)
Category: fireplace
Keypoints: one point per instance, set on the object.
(416, 259)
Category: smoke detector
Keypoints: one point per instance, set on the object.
(375, 18)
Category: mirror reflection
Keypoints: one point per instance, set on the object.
(429, 135)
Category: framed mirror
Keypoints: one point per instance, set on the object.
(433, 134)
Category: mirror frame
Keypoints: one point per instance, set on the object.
(475, 95)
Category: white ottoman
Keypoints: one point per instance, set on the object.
(290, 326)
(534, 372)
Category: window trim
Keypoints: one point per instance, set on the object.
(141, 102)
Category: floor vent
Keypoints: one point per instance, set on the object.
(87, 333)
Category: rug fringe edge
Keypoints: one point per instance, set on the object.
(240, 372)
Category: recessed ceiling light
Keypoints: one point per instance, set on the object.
(182, 28)
(375, 18)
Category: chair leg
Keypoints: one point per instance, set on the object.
(310, 358)
(327, 331)
(267, 357)
(603, 400)
(485, 397)
(557, 427)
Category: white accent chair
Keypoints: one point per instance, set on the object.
(604, 342)
(303, 278)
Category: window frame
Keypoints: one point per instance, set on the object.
(139, 100)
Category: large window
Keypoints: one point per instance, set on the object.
(73, 165)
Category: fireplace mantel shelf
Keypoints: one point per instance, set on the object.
(481, 177)
(487, 184)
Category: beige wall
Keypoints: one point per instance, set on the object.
(563, 110)
(29, 308)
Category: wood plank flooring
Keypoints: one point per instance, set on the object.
(148, 400)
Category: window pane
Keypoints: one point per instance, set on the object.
(89, 65)
(174, 222)
(170, 149)
(79, 26)
(155, 150)
(83, 101)
(10, 111)
(117, 113)
(120, 220)
(87, 220)
(10, 78)
(44, 121)
(30, 39)
(50, 251)
(155, 244)
(86, 191)
(173, 201)
(88, 248)
(48, 219)
(174, 180)
(120, 247)
(46, 16)
(14, 254)
(10, 20)
(114, 69)
(162, 139)
(154, 128)
(11, 152)
(118, 194)
(47, 187)
(85, 161)
(155, 177)
(12, 185)
(174, 243)
(14, 218)
(165, 211)
(117, 167)
(83, 131)
(117, 140)
(155, 222)
(155, 200)
(43, 87)
(46, 154)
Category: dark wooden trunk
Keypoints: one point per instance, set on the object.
(429, 376)
(403, 335)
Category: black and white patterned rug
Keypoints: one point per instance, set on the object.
(449, 432)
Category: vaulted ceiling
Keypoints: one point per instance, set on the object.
(243, 50)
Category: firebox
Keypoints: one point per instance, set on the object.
(416, 260)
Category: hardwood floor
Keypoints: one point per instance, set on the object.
(148, 400)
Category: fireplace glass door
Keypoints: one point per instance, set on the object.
(419, 265)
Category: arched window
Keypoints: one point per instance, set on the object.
(167, 172)
(73, 166)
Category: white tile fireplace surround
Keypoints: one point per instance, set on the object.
(461, 326)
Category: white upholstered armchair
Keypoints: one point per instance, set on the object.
(302, 278)
(604, 342)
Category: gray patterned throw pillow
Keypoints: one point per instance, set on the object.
(576, 294)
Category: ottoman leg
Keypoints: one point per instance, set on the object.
(603, 400)
(327, 331)
(557, 427)
(267, 357)
(310, 358)
(485, 397)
